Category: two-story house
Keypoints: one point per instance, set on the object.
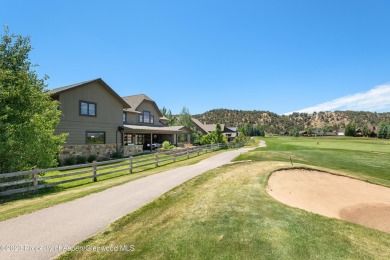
(99, 122)
(91, 115)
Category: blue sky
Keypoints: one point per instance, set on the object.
(280, 56)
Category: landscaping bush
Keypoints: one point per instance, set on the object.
(116, 155)
(167, 145)
(91, 158)
(59, 162)
(81, 159)
(70, 161)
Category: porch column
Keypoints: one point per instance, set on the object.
(188, 138)
(151, 141)
(174, 139)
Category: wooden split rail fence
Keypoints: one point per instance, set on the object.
(35, 179)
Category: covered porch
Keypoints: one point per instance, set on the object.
(151, 137)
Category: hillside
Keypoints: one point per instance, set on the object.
(274, 123)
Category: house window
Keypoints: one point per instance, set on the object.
(96, 138)
(124, 117)
(87, 108)
(139, 139)
(146, 118)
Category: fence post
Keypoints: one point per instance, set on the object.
(131, 164)
(188, 153)
(174, 156)
(35, 177)
(156, 159)
(94, 168)
(198, 151)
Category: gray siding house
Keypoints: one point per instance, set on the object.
(91, 114)
(99, 122)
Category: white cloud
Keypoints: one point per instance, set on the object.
(375, 100)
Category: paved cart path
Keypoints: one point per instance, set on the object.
(69, 223)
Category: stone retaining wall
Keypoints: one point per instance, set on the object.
(102, 151)
(131, 149)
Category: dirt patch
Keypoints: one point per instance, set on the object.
(333, 196)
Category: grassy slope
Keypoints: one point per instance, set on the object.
(226, 214)
(70, 191)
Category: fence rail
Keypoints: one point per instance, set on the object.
(36, 180)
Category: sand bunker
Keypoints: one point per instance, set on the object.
(333, 196)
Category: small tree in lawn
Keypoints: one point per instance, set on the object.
(365, 130)
(350, 129)
(218, 135)
(28, 116)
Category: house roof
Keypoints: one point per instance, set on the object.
(156, 129)
(230, 129)
(199, 124)
(207, 128)
(135, 101)
(57, 91)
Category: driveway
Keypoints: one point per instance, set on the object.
(40, 234)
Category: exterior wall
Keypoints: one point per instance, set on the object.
(133, 119)
(131, 149)
(102, 151)
(108, 114)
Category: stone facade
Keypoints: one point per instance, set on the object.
(128, 150)
(102, 151)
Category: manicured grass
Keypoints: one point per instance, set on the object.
(366, 159)
(227, 214)
(74, 190)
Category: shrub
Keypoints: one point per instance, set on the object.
(81, 159)
(116, 155)
(167, 145)
(59, 161)
(101, 159)
(91, 158)
(70, 161)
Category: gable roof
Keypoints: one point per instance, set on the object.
(199, 124)
(135, 101)
(57, 91)
(207, 128)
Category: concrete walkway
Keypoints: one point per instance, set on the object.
(69, 223)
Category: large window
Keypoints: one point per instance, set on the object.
(146, 118)
(87, 108)
(96, 137)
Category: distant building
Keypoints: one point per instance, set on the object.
(340, 132)
(230, 132)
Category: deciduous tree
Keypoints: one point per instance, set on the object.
(28, 116)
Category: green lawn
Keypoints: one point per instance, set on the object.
(227, 214)
(366, 159)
